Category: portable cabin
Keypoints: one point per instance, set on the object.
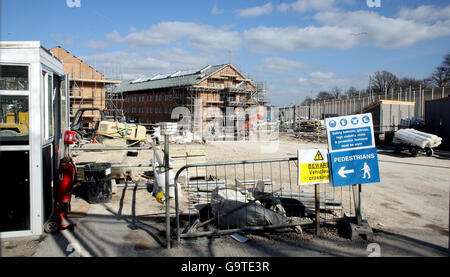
(437, 119)
(387, 115)
(33, 117)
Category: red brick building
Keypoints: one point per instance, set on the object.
(151, 100)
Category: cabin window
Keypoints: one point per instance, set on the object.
(14, 77)
(14, 120)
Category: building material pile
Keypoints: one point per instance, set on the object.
(309, 125)
(201, 193)
(417, 138)
(235, 210)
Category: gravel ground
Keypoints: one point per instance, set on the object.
(408, 211)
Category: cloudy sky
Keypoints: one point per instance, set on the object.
(296, 47)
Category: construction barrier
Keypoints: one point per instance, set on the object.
(253, 195)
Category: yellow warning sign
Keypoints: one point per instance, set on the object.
(319, 156)
(313, 166)
(314, 173)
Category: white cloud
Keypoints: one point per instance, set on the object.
(63, 40)
(96, 44)
(200, 37)
(281, 65)
(283, 7)
(327, 80)
(128, 64)
(256, 11)
(381, 31)
(215, 10)
(302, 6)
(181, 59)
(425, 13)
(146, 63)
(345, 30)
(322, 75)
(294, 38)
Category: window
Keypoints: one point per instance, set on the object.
(47, 88)
(14, 120)
(50, 129)
(13, 77)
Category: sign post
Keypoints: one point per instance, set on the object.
(317, 208)
(313, 169)
(353, 155)
(357, 196)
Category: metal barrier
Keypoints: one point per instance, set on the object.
(253, 195)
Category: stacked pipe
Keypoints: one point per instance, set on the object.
(418, 138)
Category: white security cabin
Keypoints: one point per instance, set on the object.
(33, 117)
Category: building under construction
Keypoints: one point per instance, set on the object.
(209, 90)
(87, 85)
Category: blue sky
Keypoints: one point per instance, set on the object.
(297, 47)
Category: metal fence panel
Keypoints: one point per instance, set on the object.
(251, 195)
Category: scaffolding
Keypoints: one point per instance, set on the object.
(209, 98)
(114, 103)
(87, 85)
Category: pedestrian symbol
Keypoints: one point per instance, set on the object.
(366, 170)
(318, 157)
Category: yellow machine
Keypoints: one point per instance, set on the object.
(15, 127)
(126, 131)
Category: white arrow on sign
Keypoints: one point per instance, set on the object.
(342, 172)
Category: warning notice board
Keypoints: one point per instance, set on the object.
(313, 166)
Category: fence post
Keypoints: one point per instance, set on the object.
(167, 194)
(317, 206)
(409, 99)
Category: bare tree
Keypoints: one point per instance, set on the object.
(308, 100)
(336, 92)
(382, 80)
(439, 77)
(446, 64)
(324, 95)
(410, 82)
(352, 92)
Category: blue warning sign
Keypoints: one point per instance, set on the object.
(354, 167)
(350, 132)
